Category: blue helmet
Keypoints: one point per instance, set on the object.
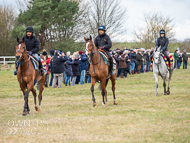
(102, 27)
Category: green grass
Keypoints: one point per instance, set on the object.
(68, 116)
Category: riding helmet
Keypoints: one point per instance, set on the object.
(102, 27)
(162, 31)
(30, 29)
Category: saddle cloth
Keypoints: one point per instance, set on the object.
(36, 64)
(166, 61)
(105, 57)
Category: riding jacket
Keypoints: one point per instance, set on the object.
(103, 41)
(32, 44)
(163, 42)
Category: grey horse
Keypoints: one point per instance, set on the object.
(160, 68)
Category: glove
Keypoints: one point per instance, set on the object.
(29, 53)
(101, 47)
(161, 51)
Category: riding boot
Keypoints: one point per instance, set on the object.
(41, 68)
(87, 72)
(15, 72)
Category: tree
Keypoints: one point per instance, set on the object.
(109, 13)
(7, 18)
(146, 36)
(50, 19)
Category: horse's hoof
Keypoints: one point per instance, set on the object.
(106, 104)
(24, 113)
(115, 102)
(36, 107)
(168, 92)
(103, 104)
(94, 104)
(164, 93)
(39, 110)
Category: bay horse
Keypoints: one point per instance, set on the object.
(160, 69)
(26, 75)
(99, 72)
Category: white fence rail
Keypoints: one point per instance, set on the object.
(13, 57)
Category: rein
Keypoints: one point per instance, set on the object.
(91, 55)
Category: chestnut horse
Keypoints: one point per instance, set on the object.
(26, 75)
(99, 72)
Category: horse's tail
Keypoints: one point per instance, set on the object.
(100, 87)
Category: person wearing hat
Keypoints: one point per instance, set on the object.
(133, 56)
(32, 45)
(102, 41)
(139, 59)
(185, 59)
(163, 42)
(122, 63)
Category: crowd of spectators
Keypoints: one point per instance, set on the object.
(71, 69)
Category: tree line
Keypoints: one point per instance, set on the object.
(62, 24)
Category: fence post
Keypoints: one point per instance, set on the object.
(4, 60)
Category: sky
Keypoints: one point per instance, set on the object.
(179, 10)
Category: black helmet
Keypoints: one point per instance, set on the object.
(162, 31)
(30, 29)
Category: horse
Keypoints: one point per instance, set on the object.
(160, 68)
(26, 75)
(99, 72)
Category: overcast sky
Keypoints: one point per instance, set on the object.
(177, 9)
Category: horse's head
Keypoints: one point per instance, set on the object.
(157, 55)
(20, 48)
(89, 45)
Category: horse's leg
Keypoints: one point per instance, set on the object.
(113, 79)
(169, 79)
(156, 83)
(34, 94)
(26, 106)
(164, 83)
(93, 81)
(104, 92)
(41, 88)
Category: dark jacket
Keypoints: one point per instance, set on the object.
(180, 58)
(185, 57)
(122, 62)
(103, 41)
(163, 42)
(133, 57)
(83, 65)
(75, 68)
(139, 59)
(68, 68)
(117, 59)
(32, 44)
(57, 64)
(148, 60)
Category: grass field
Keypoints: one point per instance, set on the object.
(68, 116)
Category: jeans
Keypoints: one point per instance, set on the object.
(68, 78)
(133, 66)
(148, 67)
(184, 64)
(51, 80)
(142, 68)
(122, 71)
(36, 56)
(74, 80)
(89, 79)
(82, 77)
(179, 64)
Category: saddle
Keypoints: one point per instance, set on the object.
(36, 64)
(166, 61)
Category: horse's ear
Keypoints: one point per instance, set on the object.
(23, 40)
(17, 39)
(90, 37)
(159, 49)
(84, 38)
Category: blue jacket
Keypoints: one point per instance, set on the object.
(68, 68)
(83, 65)
(163, 42)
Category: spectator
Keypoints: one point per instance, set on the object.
(139, 61)
(75, 68)
(185, 59)
(148, 61)
(47, 60)
(58, 69)
(179, 60)
(144, 61)
(68, 70)
(133, 61)
(83, 65)
(122, 63)
(176, 58)
(127, 69)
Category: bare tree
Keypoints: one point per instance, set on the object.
(147, 36)
(109, 13)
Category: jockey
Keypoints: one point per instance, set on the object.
(163, 42)
(32, 45)
(103, 42)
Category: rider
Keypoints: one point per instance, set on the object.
(32, 45)
(163, 42)
(103, 42)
